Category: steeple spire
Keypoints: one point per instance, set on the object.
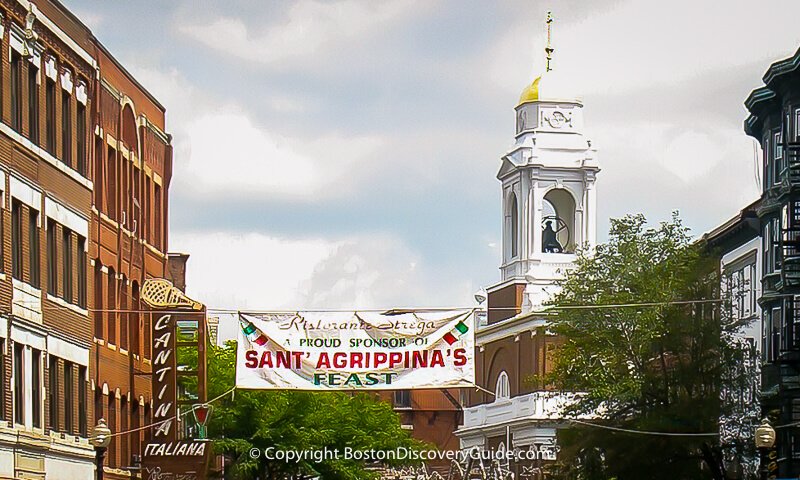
(548, 50)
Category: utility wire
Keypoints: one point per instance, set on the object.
(547, 310)
(645, 432)
(174, 417)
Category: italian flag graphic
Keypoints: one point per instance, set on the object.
(252, 333)
(451, 337)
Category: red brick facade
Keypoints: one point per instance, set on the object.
(85, 168)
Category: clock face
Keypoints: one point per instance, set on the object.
(557, 119)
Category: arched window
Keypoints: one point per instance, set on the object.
(559, 232)
(514, 230)
(502, 389)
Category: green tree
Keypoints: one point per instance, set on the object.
(659, 367)
(296, 420)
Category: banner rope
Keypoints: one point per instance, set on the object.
(174, 417)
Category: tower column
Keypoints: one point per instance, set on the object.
(537, 193)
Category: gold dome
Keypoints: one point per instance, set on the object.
(530, 93)
(551, 86)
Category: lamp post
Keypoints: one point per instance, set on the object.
(765, 440)
(101, 438)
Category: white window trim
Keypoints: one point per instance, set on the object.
(29, 338)
(66, 217)
(25, 193)
(67, 351)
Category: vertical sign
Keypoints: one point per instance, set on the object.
(167, 454)
(164, 380)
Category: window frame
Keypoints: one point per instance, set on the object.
(52, 257)
(50, 116)
(81, 270)
(18, 369)
(17, 258)
(53, 392)
(16, 90)
(67, 265)
(69, 397)
(82, 402)
(36, 387)
(66, 127)
(34, 250)
(777, 157)
(33, 103)
(502, 387)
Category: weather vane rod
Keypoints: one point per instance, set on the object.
(549, 48)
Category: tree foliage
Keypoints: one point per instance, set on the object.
(296, 420)
(657, 358)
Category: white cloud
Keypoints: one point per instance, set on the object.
(219, 149)
(310, 27)
(251, 270)
(256, 271)
(228, 153)
(643, 44)
(379, 271)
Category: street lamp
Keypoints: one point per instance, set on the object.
(765, 440)
(101, 438)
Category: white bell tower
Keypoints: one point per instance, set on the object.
(549, 199)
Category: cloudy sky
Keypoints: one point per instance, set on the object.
(343, 153)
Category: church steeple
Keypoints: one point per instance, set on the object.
(548, 177)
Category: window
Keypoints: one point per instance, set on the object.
(33, 239)
(502, 388)
(778, 157)
(742, 289)
(16, 239)
(66, 127)
(402, 398)
(16, 91)
(98, 174)
(514, 228)
(82, 401)
(776, 247)
(50, 115)
(112, 305)
(135, 316)
(123, 314)
(69, 397)
(33, 103)
(52, 258)
(80, 132)
(19, 384)
(66, 258)
(797, 124)
(111, 183)
(771, 245)
(98, 299)
(81, 272)
(112, 424)
(158, 216)
(767, 162)
(52, 392)
(36, 387)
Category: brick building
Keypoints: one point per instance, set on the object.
(84, 172)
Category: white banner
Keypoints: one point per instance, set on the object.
(356, 350)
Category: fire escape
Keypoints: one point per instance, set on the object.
(781, 376)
